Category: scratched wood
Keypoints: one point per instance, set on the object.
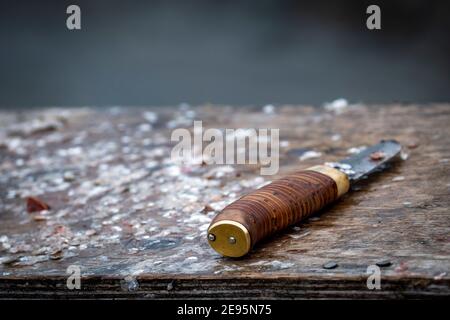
(135, 222)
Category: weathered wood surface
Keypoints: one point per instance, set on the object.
(134, 221)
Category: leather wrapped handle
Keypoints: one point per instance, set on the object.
(272, 208)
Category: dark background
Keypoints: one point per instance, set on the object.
(224, 52)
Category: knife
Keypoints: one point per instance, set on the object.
(286, 201)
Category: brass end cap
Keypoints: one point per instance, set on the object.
(229, 238)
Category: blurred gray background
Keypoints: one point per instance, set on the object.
(224, 52)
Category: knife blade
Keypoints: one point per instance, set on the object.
(364, 163)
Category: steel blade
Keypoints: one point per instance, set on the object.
(369, 160)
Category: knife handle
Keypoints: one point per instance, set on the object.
(283, 202)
